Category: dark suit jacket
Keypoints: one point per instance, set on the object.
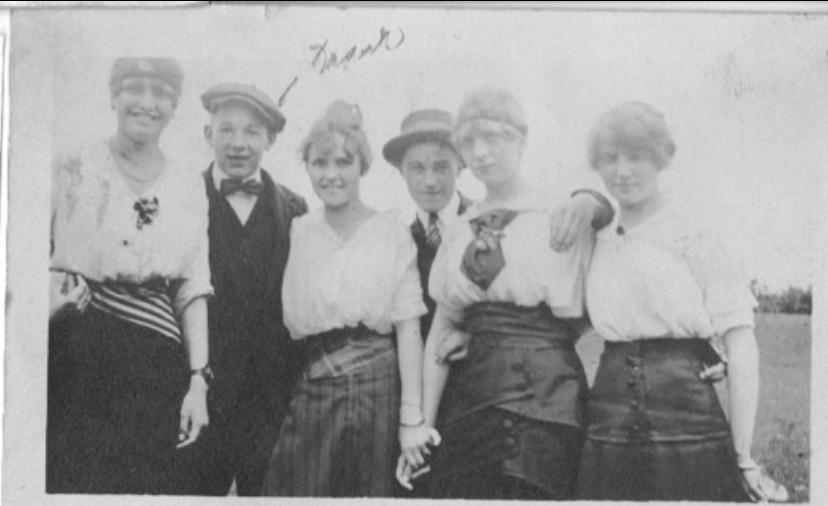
(251, 351)
(425, 257)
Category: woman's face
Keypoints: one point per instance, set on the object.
(492, 152)
(631, 176)
(144, 106)
(334, 171)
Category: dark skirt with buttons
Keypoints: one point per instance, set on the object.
(511, 424)
(656, 431)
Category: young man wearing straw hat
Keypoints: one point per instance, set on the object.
(430, 164)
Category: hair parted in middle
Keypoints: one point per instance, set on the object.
(346, 120)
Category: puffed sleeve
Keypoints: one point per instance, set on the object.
(196, 273)
(408, 296)
(725, 288)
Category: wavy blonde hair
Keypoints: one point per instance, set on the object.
(344, 119)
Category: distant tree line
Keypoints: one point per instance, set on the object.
(791, 300)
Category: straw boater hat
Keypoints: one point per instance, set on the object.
(425, 125)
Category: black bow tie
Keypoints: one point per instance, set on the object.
(251, 186)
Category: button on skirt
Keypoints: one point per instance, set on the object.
(656, 431)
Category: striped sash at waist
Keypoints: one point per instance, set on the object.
(148, 305)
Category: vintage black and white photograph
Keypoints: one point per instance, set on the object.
(418, 252)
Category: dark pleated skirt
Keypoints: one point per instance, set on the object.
(114, 397)
(656, 431)
(339, 438)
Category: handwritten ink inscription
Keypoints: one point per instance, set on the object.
(325, 59)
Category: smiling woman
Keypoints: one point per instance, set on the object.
(129, 277)
(658, 289)
(352, 292)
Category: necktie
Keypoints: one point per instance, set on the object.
(433, 232)
(251, 187)
(483, 259)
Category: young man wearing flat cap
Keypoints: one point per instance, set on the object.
(254, 360)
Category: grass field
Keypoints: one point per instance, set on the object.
(781, 440)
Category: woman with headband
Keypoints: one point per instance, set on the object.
(128, 316)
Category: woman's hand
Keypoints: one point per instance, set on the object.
(67, 291)
(713, 373)
(414, 443)
(570, 219)
(453, 346)
(406, 473)
(762, 488)
(194, 415)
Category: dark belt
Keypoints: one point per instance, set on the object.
(520, 326)
(342, 351)
(521, 359)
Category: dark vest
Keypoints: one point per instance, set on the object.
(250, 349)
(425, 257)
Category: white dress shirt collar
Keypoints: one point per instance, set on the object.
(444, 215)
(219, 176)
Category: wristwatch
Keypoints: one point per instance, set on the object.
(205, 372)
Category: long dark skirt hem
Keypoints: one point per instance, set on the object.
(498, 454)
(656, 430)
(114, 396)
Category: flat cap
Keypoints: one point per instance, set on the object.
(164, 69)
(221, 93)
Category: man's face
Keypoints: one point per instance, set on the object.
(239, 137)
(430, 170)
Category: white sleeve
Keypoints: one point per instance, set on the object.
(725, 288)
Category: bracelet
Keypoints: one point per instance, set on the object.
(409, 412)
(404, 424)
(748, 464)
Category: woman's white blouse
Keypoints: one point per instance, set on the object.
(533, 272)
(94, 228)
(369, 278)
(667, 277)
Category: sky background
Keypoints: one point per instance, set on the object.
(746, 96)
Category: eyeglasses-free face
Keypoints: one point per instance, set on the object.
(630, 175)
(144, 107)
(430, 171)
(492, 150)
(335, 172)
(239, 137)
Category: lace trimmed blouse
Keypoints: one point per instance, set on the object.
(103, 230)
